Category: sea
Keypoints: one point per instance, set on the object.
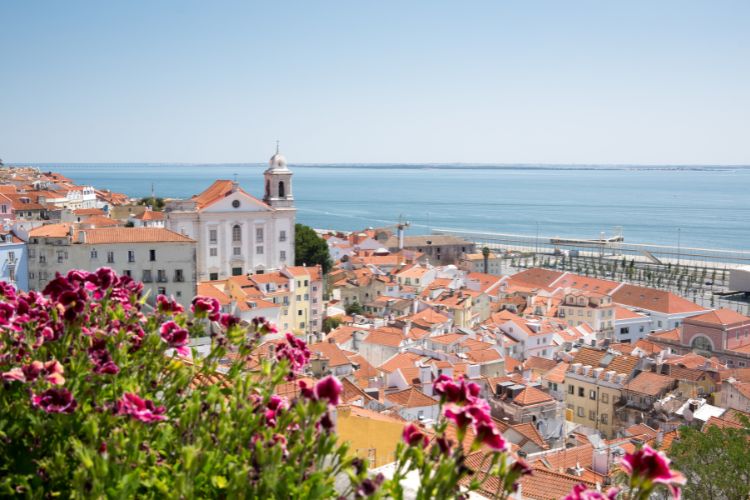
(702, 207)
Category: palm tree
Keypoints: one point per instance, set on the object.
(486, 256)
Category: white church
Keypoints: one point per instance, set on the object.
(237, 233)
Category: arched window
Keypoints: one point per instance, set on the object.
(236, 233)
(702, 344)
(268, 189)
(281, 189)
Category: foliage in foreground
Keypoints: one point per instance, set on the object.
(99, 399)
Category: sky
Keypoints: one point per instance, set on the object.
(583, 82)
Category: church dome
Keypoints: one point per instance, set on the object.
(278, 162)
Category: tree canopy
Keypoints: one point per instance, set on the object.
(715, 462)
(156, 204)
(310, 249)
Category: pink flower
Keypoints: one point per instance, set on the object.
(646, 465)
(489, 435)
(175, 336)
(228, 320)
(459, 393)
(295, 351)
(329, 388)
(14, 374)
(53, 371)
(57, 400)
(168, 305)
(6, 312)
(413, 436)
(206, 307)
(580, 492)
(140, 409)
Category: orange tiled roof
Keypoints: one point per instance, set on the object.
(411, 398)
(649, 383)
(382, 337)
(210, 290)
(219, 190)
(587, 356)
(149, 215)
(60, 230)
(722, 317)
(651, 299)
(531, 396)
(134, 235)
(330, 351)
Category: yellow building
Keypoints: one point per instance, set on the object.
(593, 383)
(370, 434)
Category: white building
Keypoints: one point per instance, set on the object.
(163, 260)
(238, 234)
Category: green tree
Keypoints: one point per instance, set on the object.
(310, 249)
(156, 204)
(354, 308)
(330, 324)
(716, 462)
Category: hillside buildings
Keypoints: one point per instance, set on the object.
(237, 233)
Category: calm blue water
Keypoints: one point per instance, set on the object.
(710, 205)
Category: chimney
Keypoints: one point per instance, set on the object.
(425, 374)
(586, 370)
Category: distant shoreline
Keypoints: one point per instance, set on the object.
(413, 166)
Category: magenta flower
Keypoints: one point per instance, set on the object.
(53, 371)
(206, 307)
(140, 409)
(56, 400)
(459, 393)
(295, 351)
(168, 305)
(647, 466)
(580, 492)
(329, 388)
(488, 434)
(413, 436)
(228, 320)
(100, 356)
(175, 336)
(6, 312)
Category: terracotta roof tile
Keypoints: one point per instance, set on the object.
(651, 299)
(134, 235)
(411, 398)
(649, 383)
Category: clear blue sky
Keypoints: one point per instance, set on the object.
(596, 81)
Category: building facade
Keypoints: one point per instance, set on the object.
(237, 233)
(163, 260)
(13, 261)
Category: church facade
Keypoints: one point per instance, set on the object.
(236, 233)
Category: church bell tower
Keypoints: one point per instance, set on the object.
(278, 181)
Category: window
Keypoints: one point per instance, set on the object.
(60, 256)
(161, 290)
(147, 276)
(259, 235)
(641, 329)
(94, 255)
(110, 257)
(299, 312)
(178, 276)
(236, 251)
(127, 273)
(12, 256)
(592, 415)
(259, 250)
(236, 233)
(580, 411)
(571, 389)
(213, 252)
(282, 255)
(605, 397)
(605, 418)
(282, 235)
(161, 276)
(281, 189)
(152, 255)
(581, 392)
(5, 209)
(301, 324)
(624, 330)
(32, 253)
(299, 297)
(307, 296)
(306, 282)
(236, 271)
(212, 236)
(592, 395)
(213, 276)
(659, 323)
(131, 255)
